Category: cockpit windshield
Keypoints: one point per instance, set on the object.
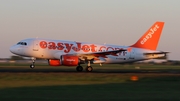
(22, 43)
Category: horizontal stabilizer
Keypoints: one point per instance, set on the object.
(156, 55)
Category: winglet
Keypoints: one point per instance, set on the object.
(151, 38)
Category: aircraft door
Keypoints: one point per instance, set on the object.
(35, 45)
(132, 54)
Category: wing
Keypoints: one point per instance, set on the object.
(89, 56)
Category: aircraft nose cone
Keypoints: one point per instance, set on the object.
(12, 49)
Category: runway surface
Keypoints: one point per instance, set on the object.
(73, 70)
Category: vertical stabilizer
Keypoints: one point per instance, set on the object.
(151, 38)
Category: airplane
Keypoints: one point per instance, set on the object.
(72, 53)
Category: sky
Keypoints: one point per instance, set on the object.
(119, 22)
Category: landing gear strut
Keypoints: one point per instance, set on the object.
(89, 68)
(33, 62)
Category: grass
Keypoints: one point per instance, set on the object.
(83, 86)
(72, 86)
(135, 91)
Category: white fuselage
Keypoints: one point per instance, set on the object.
(54, 49)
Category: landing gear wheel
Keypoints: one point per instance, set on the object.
(32, 66)
(79, 68)
(89, 69)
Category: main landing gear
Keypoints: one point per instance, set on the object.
(33, 63)
(79, 68)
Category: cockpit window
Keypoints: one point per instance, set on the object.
(22, 43)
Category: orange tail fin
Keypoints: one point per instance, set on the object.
(151, 38)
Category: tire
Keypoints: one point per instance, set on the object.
(79, 68)
(89, 69)
(32, 66)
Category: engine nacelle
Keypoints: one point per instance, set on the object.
(54, 62)
(70, 60)
(65, 60)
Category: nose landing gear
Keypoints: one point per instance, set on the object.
(33, 63)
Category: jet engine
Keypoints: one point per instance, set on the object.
(64, 60)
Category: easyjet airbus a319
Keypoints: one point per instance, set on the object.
(71, 53)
